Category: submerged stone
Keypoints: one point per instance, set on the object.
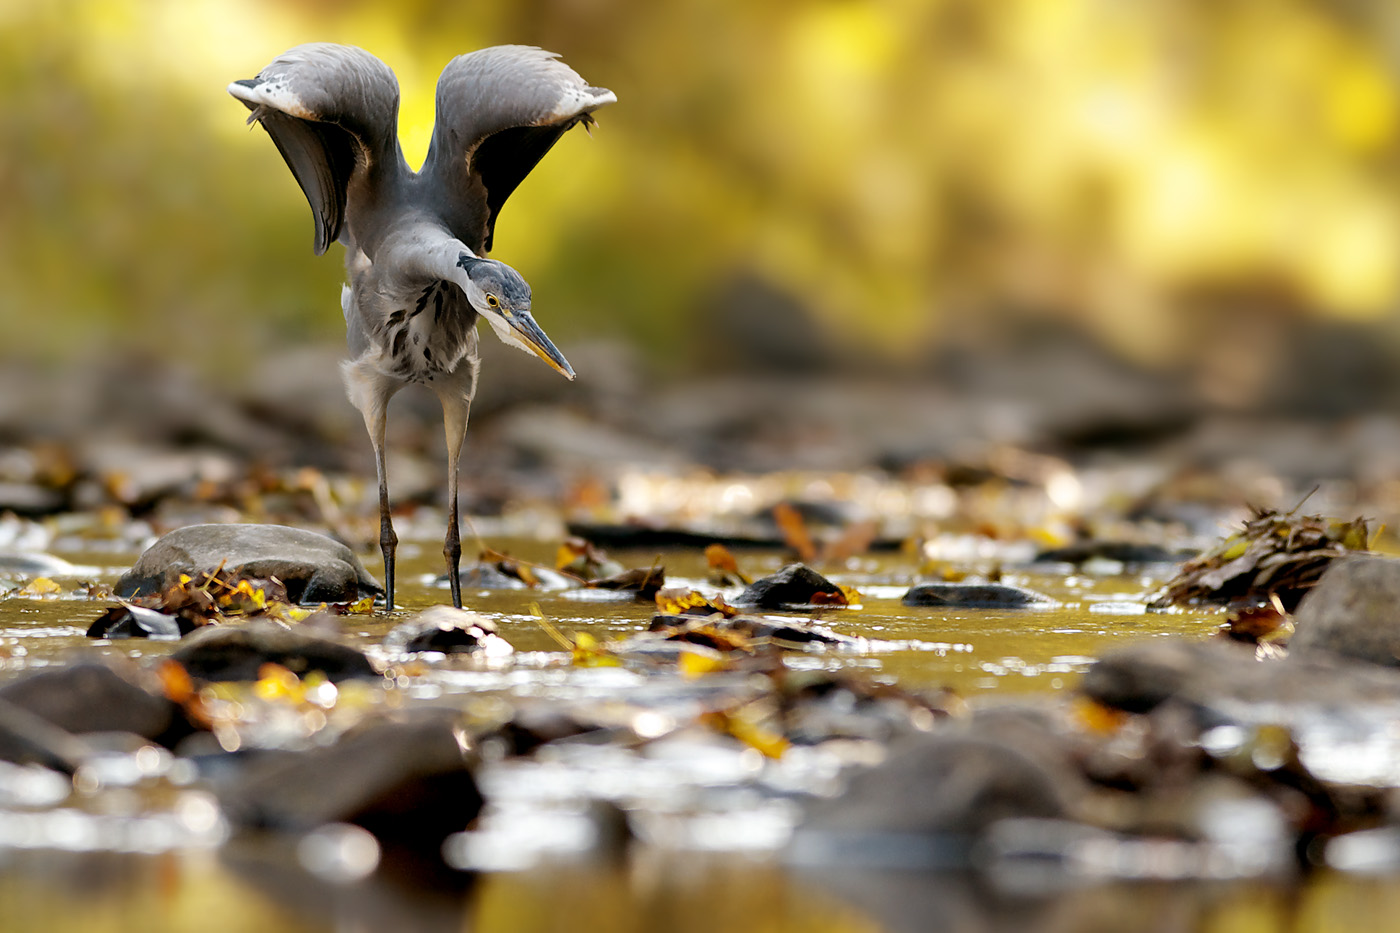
(976, 596)
(313, 567)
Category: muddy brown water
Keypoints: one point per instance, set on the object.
(977, 653)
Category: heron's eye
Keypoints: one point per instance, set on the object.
(491, 300)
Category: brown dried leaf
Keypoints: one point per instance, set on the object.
(794, 531)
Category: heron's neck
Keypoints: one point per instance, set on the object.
(422, 249)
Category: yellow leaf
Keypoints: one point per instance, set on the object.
(679, 602)
(361, 606)
(275, 682)
(1235, 547)
(41, 586)
(750, 732)
(589, 652)
(1104, 720)
(694, 664)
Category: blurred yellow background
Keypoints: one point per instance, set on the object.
(1152, 173)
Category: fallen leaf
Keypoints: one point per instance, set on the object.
(794, 531)
(723, 566)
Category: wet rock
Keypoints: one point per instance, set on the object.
(485, 577)
(30, 499)
(795, 633)
(127, 621)
(313, 567)
(26, 738)
(1124, 552)
(975, 596)
(236, 652)
(1220, 678)
(796, 585)
(1353, 611)
(93, 697)
(645, 537)
(449, 631)
(34, 564)
(1140, 676)
(643, 582)
(926, 804)
(408, 781)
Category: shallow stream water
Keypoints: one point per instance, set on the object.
(711, 862)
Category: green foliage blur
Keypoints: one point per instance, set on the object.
(898, 167)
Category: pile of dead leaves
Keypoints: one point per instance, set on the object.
(1275, 557)
(192, 602)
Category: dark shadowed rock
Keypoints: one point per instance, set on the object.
(313, 567)
(1214, 674)
(235, 652)
(407, 781)
(1127, 552)
(1353, 611)
(449, 631)
(92, 697)
(794, 585)
(975, 596)
(1141, 675)
(29, 739)
(927, 803)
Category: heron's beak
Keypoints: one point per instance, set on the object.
(538, 343)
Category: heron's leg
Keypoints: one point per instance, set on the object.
(370, 391)
(454, 420)
(388, 541)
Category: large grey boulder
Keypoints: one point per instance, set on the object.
(313, 567)
(1353, 611)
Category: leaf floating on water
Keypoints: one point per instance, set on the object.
(794, 531)
(1256, 624)
(581, 558)
(724, 569)
(646, 583)
(693, 603)
(511, 567)
(693, 663)
(39, 588)
(359, 607)
(590, 652)
(746, 726)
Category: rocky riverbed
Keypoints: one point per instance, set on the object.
(890, 685)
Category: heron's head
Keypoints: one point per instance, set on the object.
(502, 297)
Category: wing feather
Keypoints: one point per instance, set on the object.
(499, 111)
(331, 110)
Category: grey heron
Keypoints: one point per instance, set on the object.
(416, 242)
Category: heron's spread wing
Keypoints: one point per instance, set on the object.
(499, 110)
(330, 109)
